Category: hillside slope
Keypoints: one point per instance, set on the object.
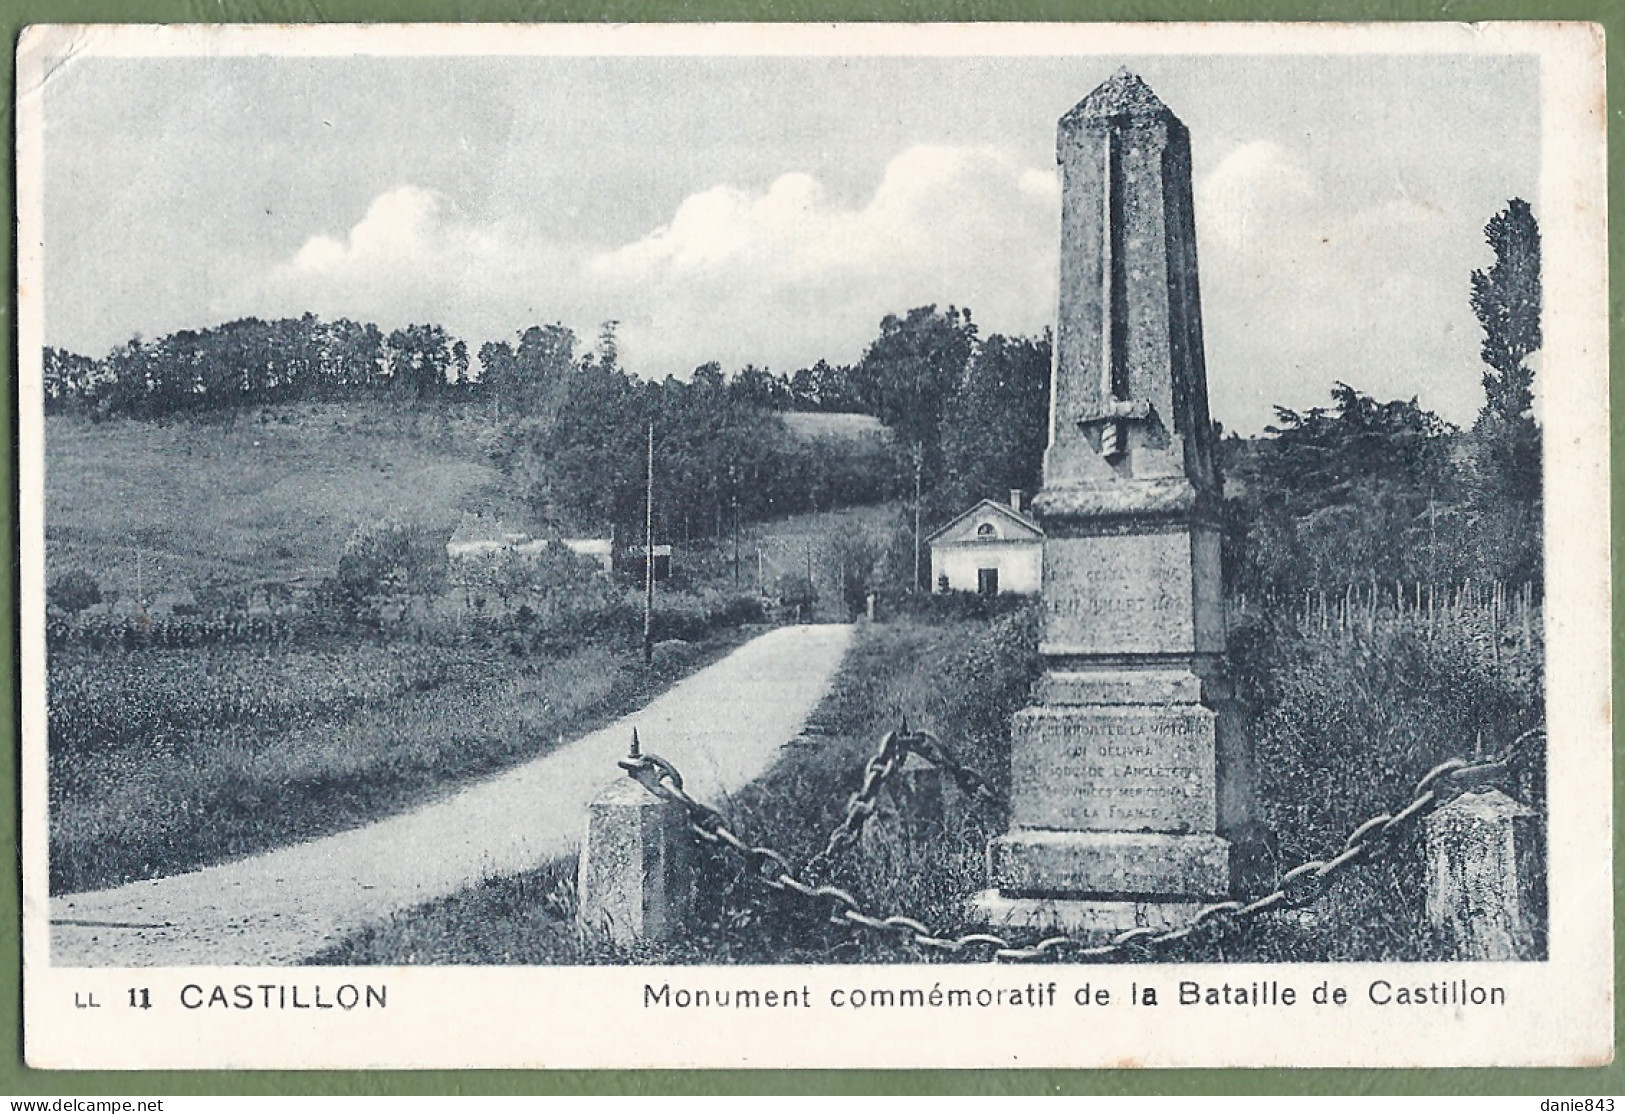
(273, 495)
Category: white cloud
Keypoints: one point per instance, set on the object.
(789, 274)
(778, 277)
(412, 257)
(1303, 282)
(401, 225)
(1249, 193)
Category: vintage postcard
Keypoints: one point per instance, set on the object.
(815, 546)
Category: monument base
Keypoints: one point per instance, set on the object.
(1094, 885)
(1092, 920)
(1148, 866)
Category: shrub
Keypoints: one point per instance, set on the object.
(739, 611)
(794, 590)
(683, 617)
(609, 616)
(73, 591)
(217, 595)
(1346, 723)
(384, 564)
(940, 607)
(99, 631)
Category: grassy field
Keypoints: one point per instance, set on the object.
(858, 427)
(274, 494)
(166, 760)
(1344, 726)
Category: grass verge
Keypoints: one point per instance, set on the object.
(1343, 727)
(962, 678)
(166, 760)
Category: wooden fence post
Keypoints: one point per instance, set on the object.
(1486, 876)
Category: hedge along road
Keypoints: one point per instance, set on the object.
(723, 727)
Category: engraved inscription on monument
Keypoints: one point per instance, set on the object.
(1123, 769)
(1131, 593)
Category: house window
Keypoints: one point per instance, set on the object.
(987, 530)
(987, 582)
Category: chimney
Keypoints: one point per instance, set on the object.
(1015, 499)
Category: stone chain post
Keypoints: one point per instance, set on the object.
(1485, 870)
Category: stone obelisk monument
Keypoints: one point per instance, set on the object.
(1131, 785)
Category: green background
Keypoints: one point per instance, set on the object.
(16, 1079)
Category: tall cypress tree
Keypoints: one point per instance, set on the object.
(1506, 440)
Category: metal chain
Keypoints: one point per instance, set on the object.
(894, 750)
(1298, 886)
(935, 751)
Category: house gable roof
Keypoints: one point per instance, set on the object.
(962, 528)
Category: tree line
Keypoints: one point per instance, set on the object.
(1367, 491)
(966, 418)
(573, 439)
(1359, 490)
(251, 362)
(569, 426)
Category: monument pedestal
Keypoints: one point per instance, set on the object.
(1114, 806)
(1148, 866)
(1102, 883)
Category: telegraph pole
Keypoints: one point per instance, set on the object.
(919, 462)
(649, 554)
(733, 490)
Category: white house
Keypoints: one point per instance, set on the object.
(991, 548)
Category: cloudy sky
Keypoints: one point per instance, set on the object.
(773, 210)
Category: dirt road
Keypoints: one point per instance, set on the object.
(723, 727)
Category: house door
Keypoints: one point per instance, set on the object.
(987, 582)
